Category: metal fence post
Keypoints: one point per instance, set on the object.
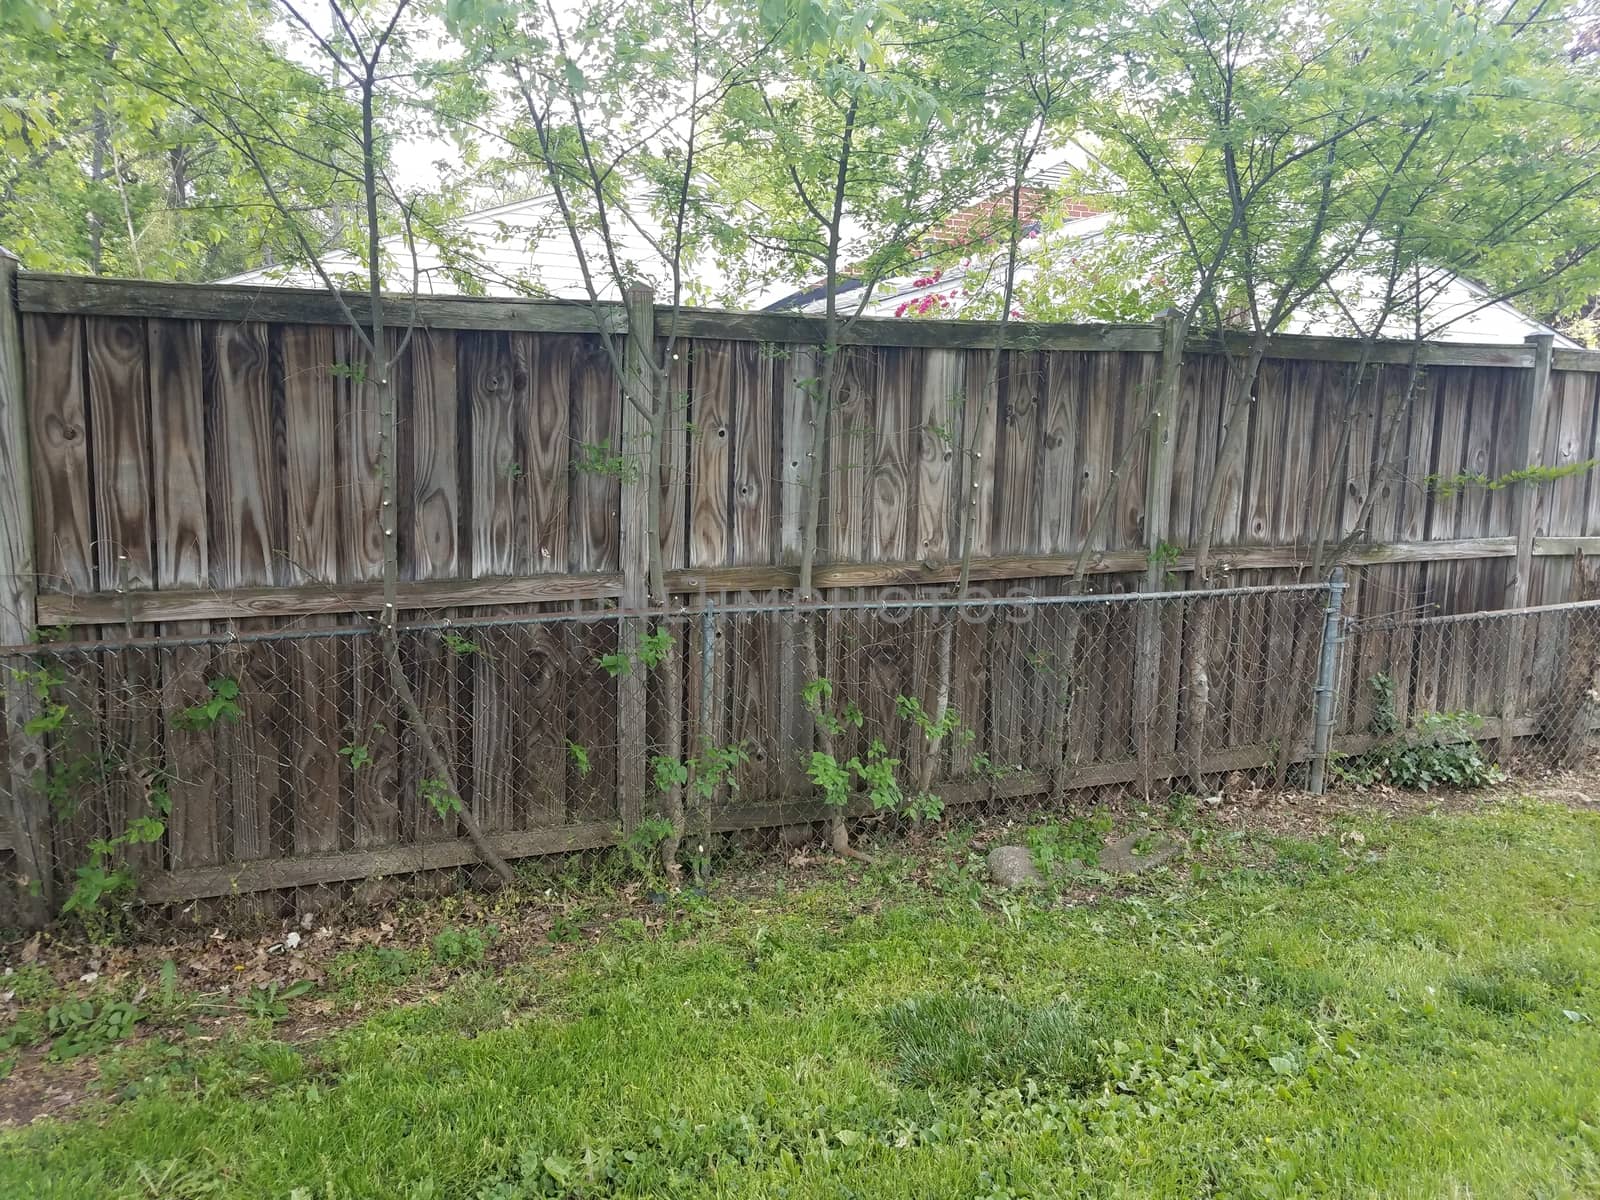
(1327, 682)
(708, 662)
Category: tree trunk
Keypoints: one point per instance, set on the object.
(1235, 422)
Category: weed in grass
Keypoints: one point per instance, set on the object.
(1075, 843)
(78, 1027)
(1182, 810)
(177, 1179)
(374, 969)
(277, 1064)
(977, 1039)
(1499, 991)
(270, 1001)
(1271, 981)
(479, 1005)
(454, 947)
(29, 985)
(1316, 854)
(1560, 971)
(1522, 981)
(565, 929)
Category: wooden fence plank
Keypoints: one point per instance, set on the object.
(893, 504)
(119, 414)
(940, 407)
(195, 827)
(25, 808)
(429, 426)
(249, 541)
(313, 488)
(58, 425)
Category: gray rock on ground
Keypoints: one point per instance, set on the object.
(1012, 866)
(1118, 858)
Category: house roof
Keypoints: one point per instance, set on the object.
(1456, 309)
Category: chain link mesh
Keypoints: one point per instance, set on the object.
(284, 745)
(1521, 682)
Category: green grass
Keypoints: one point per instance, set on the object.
(1408, 1018)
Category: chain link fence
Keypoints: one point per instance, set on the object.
(272, 746)
(272, 759)
(1521, 682)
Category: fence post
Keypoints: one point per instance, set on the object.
(1524, 521)
(27, 810)
(1327, 681)
(1157, 503)
(633, 541)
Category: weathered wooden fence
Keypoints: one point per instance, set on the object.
(197, 462)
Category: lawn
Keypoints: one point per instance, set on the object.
(1386, 1007)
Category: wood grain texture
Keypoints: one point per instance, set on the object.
(246, 517)
(849, 444)
(429, 427)
(17, 565)
(312, 481)
(119, 414)
(333, 387)
(25, 808)
(940, 404)
(674, 456)
(710, 454)
(1018, 464)
(205, 604)
(596, 496)
(751, 485)
(982, 407)
(178, 444)
(497, 410)
(890, 481)
(58, 427)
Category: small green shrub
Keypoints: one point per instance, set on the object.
(978, 1039)
(78, 1027)
(454, 947)
(1440, 749)
(1075, 841)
